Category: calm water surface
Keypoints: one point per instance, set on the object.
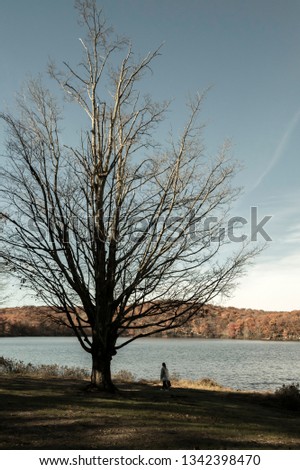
(238, 364)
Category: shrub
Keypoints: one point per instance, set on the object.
(289, 396)
(124, 376)
(11, 366)
(209, 383)
(200, 384)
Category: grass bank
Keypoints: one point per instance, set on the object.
(58, 413)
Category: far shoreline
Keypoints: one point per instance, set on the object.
(213, 322)
(166, 337)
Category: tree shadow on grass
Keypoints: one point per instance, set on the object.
(61, 414)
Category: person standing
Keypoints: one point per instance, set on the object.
(165, 377)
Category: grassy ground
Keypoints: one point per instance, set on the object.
(58, 413)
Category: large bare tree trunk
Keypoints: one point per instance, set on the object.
(101, 373)
(101, 365)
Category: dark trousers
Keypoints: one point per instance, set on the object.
(166, 384)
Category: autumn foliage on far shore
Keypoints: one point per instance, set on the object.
(214, 322)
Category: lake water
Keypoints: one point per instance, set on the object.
(246, 365)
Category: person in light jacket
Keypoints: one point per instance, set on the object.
(165, 377)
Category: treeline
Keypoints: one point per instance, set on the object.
(234, 323)
(214, 322)
(31, 321)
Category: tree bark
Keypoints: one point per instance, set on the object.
(101, 372)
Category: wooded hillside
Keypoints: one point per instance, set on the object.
(215, 322)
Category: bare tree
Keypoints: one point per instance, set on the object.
(3, 270)
(122, 235)
(3, 295)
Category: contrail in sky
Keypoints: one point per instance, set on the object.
(280, 148)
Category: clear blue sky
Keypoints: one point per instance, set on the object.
(249, 51)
